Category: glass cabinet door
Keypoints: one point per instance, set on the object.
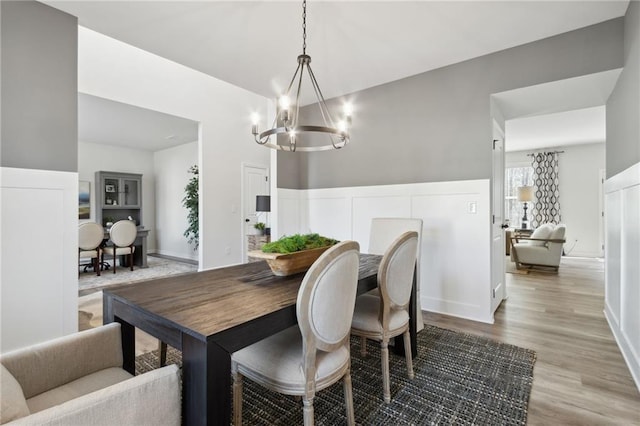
(131, 193)
(111, 191)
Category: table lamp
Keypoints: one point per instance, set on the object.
(263, 204)
(525, 195)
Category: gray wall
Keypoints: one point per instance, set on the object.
(623, 107)
(39, 98)
(436, 126)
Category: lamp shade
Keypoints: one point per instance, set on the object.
(263, 203)
(525, 193)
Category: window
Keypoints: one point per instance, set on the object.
(513, 178)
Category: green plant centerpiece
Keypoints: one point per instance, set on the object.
(293, 254)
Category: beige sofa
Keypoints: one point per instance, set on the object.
(79, 380)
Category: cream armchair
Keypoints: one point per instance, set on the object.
(542, 248)
(79, 380)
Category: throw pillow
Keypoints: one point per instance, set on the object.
(558, 233)
(13, 405)
(542, 232)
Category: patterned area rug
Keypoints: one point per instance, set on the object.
(460, 379)
(158, 267)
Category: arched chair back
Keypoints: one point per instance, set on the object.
(395, 274)
(122, 235)
(384, 231)
(90, 236)
(327, 296)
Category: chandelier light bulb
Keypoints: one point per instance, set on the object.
(255, 118)
(347, 109)
(285, 103)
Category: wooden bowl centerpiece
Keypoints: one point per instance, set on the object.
(293, 254)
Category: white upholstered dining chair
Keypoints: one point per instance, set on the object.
(381, 317)
(122, 235)
(313, 355)
(384, 230)
(90, 236)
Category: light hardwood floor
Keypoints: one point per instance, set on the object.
(580, 376)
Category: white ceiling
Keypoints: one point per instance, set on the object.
(566, 128)
(559, 113)
(113, 123)
(354, 44)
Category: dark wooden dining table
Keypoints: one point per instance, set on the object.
(208, 315)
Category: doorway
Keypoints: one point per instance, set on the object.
(255, 181)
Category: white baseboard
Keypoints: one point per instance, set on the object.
(630, 356)
(179, 255)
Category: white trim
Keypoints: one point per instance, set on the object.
(630, 356)
(451, 236)
(624, 179)
(39, 211)
(622, 264)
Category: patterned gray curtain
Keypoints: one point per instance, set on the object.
(546, 208)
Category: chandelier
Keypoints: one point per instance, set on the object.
(286, 122)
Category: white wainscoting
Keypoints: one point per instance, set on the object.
(39, 234)
(455, 252)
(622, 267)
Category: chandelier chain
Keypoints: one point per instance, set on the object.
(304, 27)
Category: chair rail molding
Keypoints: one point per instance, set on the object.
(622, 264)
(39, 301)
(455, 253)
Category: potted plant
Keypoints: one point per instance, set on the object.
(293, 254)
(261, 227)
(190, 202)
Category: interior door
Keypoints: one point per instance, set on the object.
(498, 287)
(255, 182)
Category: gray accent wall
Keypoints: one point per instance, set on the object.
(436, 126)
(39, 93)
(623, 107)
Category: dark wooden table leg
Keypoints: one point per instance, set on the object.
(398, 346)
(206, 383)
(127, 332)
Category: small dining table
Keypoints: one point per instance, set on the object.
(208, 315)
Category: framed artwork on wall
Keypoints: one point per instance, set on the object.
(84, 199)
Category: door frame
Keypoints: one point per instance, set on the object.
(497, 252)
(243, 188)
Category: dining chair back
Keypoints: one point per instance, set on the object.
(122, 235)
(90, 236)
(386, 315)
(384, 231)
(313, 355)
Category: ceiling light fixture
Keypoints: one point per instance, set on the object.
(286, 120)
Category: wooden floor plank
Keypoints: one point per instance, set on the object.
(580, 376)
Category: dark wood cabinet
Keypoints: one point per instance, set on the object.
(118, 196)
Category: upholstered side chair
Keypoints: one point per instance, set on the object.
(90, 236)
(313, 355)
(381, 317)
(383, 232)
(122, 234)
